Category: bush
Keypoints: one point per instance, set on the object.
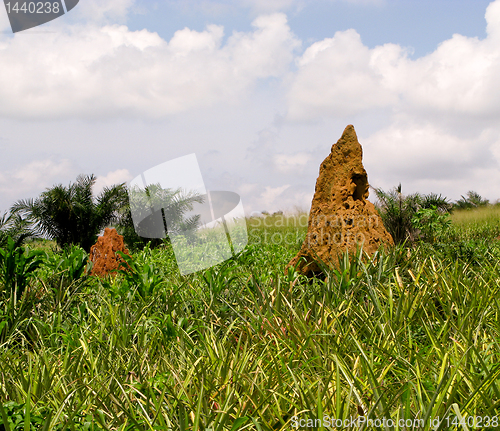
(398, 211)
(431, 223)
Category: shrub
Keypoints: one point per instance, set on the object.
(431, 223)
(398, 211)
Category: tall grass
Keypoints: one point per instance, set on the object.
(478, 222)
(406, 334)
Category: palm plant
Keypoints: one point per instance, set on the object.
(13, 226)
(71, 215)
(473, 200)
(440, 203)
(398, 211)
(159, 205)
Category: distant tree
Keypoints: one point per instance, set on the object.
(72, 215)
(473, 200)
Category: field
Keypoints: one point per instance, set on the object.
(408, 339)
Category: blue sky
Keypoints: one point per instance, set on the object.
(259, 90)
(421, 25)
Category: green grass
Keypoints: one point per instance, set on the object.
(482, 222)
(489, 214)
(410, 333)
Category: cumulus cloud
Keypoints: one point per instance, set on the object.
(287, 163)
(100, 11)
(438, 128)
(247, 188)
(270, 194)
(111, 179)
(38, 174)
(34, 177)
(493, 19)
(4, 22)
(267, 6)
(31, 179)
(285, 198)
(341, 76)
(335, 77)
(438, 113)
(108, 71)
(414, 149)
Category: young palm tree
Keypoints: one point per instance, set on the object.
(170, 216)
(71, 215)
(473, 200)
(13, 226)
(433, 200)
(397, 211)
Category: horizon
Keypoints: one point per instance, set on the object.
(259, 91)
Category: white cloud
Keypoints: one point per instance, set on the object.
(291, 163)
(423, 149)
(35, 177)
(247, 188)
(437, 115)
(459, 76)
(335, 77)
(4, 22)
(110, 71)
(291, 200)
(431, 121)
(102, 10)
(367, 2)
(112, 178)
(29, 180)
(493, 19)
(427, 158)
(269, 196)
(267, 6)
(341, 76)
(38, 174)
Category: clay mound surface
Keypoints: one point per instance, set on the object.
(103, 253)
(341, 217)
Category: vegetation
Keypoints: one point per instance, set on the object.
(410, 333)
(484, 220)
(168, 205)
(14, 227)
(71, 215)
(473, 200)
(399, 212)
